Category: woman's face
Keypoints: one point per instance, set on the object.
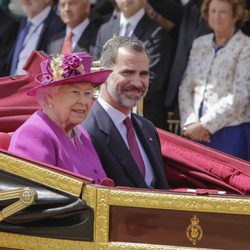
(70, 104)
(220, 16)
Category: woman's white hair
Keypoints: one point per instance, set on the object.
(42, 94)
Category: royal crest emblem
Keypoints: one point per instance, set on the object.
(194, 231)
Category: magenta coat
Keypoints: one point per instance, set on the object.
(41, 139)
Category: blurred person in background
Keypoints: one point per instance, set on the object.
(188, 26)
(80, 34)
(7, 39)
(34, 33)
(215, 91)
(102, 11)
(134, 22)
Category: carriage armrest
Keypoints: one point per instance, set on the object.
(5, 140)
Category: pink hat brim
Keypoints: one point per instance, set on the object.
(95, 78)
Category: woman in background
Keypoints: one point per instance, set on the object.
(215, 90)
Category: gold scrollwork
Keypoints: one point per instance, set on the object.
(26, 198)
(194, 231)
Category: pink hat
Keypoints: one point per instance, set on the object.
(68, 69)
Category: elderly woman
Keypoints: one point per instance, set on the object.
(215, 90)
(52, 135)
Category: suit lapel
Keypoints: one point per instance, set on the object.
(55, 45)
(140, 27)
(44, 29)
(117, 145)
(115, 28)
(83, 42)
(88, 39)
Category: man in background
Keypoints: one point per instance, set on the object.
(34, 33)
(80, 33)
(133, 22)
(7, 39)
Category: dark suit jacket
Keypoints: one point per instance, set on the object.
(159, 45)
(114, 154)
(101, 12)
(191, 25)
(85, 43)
(8, 33)
(52, 25)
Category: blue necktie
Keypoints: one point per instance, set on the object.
(127, 29)
(19, 47)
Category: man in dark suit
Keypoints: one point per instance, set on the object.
(131, 155)
(159, 45)
(35, 32)
(190, 24)
(7, 39)
(75, 15)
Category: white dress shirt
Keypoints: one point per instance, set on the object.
(118, 117)
(184, 2)
(32, 38)
(133, 21)
(77, 32)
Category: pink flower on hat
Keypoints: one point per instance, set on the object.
(72, 66)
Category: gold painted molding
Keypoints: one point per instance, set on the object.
(102, 215)
(138, 246)
(26, 197)
(167, 200)
(89, 195)
(39, 243)
(41, 174)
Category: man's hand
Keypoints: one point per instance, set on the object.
(196, 132)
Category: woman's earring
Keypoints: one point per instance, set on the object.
(50, 106)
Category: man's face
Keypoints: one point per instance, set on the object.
(73, 12)
(128, 82)
(32, 8)
(129, 7)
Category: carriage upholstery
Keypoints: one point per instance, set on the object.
(190, 164)
(4, 140)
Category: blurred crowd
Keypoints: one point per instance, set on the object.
(199, 56)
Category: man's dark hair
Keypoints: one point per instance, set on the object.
(111, 47)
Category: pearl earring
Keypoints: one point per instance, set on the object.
(50, 105)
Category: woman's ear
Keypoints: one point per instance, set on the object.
(50, 95)
(50, 99)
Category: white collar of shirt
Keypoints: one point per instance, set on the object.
(116, 116)
(133, 20)
(77, 31)
(39, 18)
(184, 2)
